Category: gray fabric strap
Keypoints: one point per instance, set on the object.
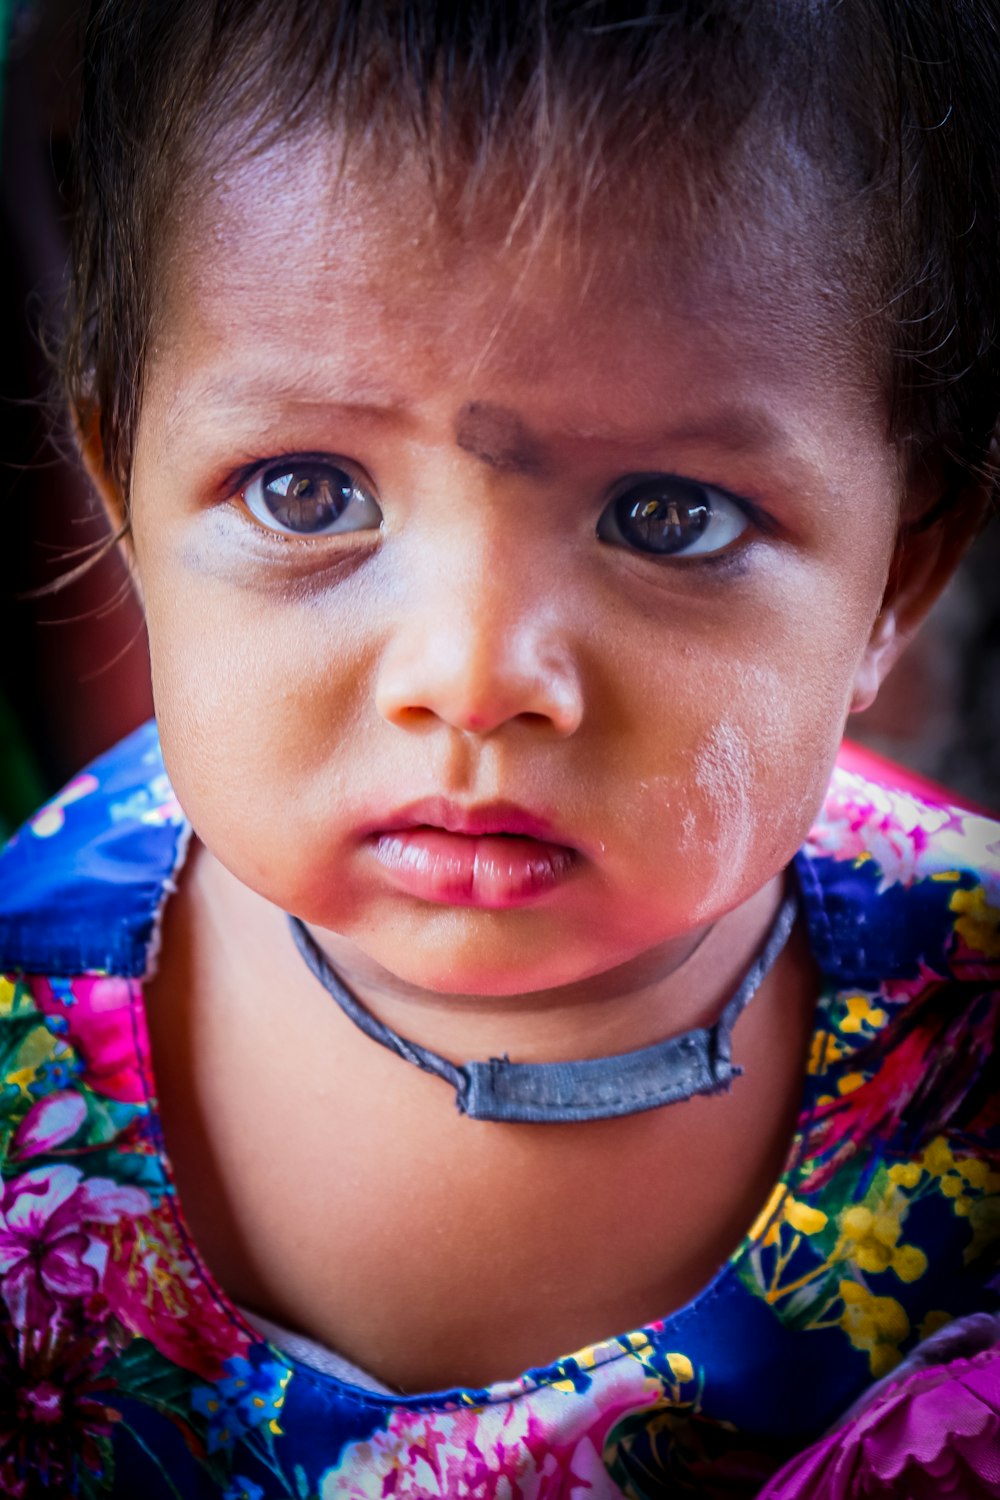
(698, 1062)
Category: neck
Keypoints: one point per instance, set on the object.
(659, 993)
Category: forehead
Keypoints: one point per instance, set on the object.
(289, 274)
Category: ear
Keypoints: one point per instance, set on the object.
(928, 550)
(115, 504)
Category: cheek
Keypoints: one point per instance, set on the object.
(258, 707)
(727, 764)
(759, 775)
(256, 652)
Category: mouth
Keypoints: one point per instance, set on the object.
(493, 856)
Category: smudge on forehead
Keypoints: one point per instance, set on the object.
(499, 439)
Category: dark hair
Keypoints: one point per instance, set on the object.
(898, 101)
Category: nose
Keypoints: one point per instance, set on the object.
(477, 647)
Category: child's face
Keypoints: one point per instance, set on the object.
(485, 634)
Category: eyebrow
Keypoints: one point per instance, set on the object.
(736, 428)
(498, 435)
(217, 396)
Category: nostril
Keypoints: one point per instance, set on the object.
(477, 685)
(414, 717)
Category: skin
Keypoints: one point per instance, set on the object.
(677, 719)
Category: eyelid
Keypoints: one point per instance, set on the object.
(236, 481)
(752, 508)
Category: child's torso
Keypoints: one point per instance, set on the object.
(883, 1225)
(260, 1100)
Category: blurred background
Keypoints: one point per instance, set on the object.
(74, 677)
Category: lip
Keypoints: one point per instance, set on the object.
(479, 820)
(493, 855)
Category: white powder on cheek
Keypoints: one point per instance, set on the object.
(724, 776)
(657, 794)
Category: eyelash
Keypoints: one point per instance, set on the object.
(726, 557)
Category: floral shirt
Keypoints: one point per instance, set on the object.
(126, 1371)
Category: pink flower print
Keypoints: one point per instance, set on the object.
(97, 1016)
(49, 1123)
(156, 1289)
(49, 1254)
(933, 1436)
(54, 1420)
(50, 818)
(546, 1445)
(491, 1453)
(899, 832)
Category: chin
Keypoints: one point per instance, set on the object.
(441, 974)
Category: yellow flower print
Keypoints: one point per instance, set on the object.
(638, 1345)
(37, 1049)
(815, 1269)
(876, 1324)
(862, 1016)
(784, 1212)
(970, 1184)
(850, 1082)
(684, 1374)
(868, 1243)
(824, 1051)
(767, 1225)
(979, 923)
(16, 998)
(977, 1173)
(22, 1080)
(909, 1262)
(937, 1159)
(872, 1239)
(803, 1218)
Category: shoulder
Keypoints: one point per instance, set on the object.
(902, 896)
(897, 884)
(82, 883)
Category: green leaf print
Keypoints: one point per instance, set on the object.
(14, 1033)
(143, 1372)
(134, 1169)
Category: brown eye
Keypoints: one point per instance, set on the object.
(670, 517)
(311, 497)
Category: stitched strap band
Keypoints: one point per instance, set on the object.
(697, 1062)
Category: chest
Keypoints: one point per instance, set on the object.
(334, 1188)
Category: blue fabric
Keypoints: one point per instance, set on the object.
(94, 907)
